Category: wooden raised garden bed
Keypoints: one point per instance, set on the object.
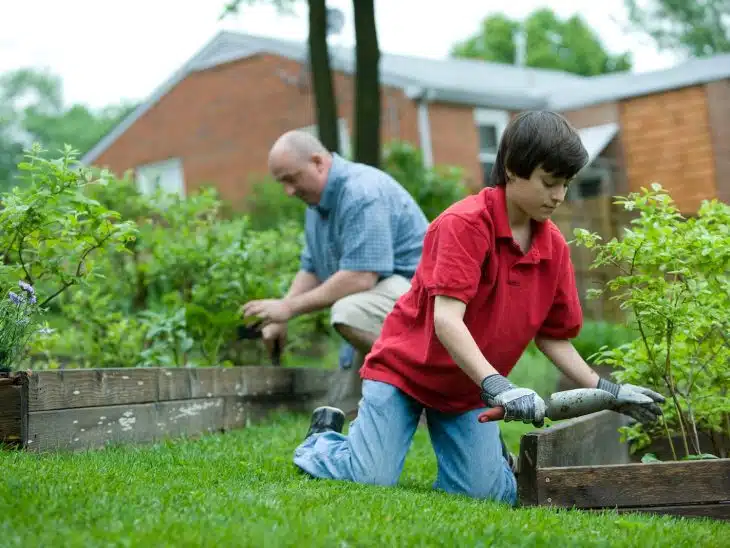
(581, 463)
(79, 409)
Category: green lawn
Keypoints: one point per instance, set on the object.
(240, 489)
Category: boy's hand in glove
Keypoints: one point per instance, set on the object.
(520, 404)
(635, 401)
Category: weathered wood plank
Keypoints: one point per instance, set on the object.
(96, 427)
(311, 381)
(719, 510)
(664, 483)
(78, 429)
(10, 414)
(69, 389)
(527, 477)
(89, 427)
(64, 389)
(589, 440)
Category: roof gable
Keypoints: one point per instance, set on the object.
(471, 82)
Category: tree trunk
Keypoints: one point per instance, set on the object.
(367, 84)
(325, 104)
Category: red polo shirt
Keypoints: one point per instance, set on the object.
(469, 254)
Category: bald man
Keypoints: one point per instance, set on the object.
(363, 240)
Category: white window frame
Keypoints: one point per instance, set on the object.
(498, 119)
(343, 134)
(171, 168)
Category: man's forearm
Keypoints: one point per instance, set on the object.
(566, 358)
(304, 281)
(339, 285)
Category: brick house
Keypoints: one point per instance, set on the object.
(213, 121)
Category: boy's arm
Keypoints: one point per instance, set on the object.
(566, 358)
(635, 401)
(519, 403)
(448, 321)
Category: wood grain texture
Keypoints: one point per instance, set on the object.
(92, 408)
(79, 388)
(589, 440)
(10, 414)
(78, 429)
(657, 484)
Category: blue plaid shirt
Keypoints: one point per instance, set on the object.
(365, 221)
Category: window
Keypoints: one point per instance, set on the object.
(166, 175)
(589, 183)
(344, 136)
(490, 125)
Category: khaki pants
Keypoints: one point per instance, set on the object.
(366, 311)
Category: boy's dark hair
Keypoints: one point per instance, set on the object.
(539, 139)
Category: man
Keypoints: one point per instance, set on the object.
(363, 240)
(495, 274)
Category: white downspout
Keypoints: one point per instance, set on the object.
(424, 128)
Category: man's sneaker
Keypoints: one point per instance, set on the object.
(326, 419)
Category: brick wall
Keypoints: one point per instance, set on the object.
(595, 115)
(455, 140)
(666, 139)
(222, 122)
(718, 106)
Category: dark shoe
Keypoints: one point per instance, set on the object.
(326, 419)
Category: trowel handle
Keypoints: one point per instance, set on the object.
(492, 414)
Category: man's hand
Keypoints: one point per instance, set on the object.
(271, 334)
(269, 310)
(519, 403)
(635, 401)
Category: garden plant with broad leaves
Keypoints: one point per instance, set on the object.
(672, 278)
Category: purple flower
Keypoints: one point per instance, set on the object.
(15, 298)
(26, 287)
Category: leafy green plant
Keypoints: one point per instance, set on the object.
(167, 340)
(434, 189)
(596, 336)
(674, 281)
(51, 232)
(268, 206)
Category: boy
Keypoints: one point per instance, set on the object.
(495, 273)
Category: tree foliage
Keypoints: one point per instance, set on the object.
(32, 110)
(551, 43)
(699, 28)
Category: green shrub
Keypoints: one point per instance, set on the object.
(53, 234)
(596, 336)
(268, 206)
(172, 297)
(434, 189)
(675, 281)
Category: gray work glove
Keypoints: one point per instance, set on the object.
(635, 401)
(520, 404)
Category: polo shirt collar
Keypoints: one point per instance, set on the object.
(335, 177)
(542, 246)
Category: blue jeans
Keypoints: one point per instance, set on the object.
(468, 453)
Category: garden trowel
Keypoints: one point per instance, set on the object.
(254, 332)
(564, 405)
